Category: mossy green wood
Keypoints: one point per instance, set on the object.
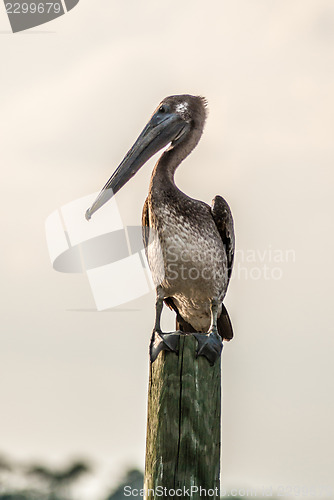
(183, 423)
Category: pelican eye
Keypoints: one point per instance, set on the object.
(162, 109)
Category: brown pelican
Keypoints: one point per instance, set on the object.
(191, 251)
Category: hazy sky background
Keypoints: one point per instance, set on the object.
(75, 93)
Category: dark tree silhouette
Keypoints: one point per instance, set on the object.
(5, 465)
(133, 478)
(58, 482)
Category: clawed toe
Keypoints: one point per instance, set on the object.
(163, 342)
(210, 345)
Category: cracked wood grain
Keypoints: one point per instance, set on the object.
(183, 422)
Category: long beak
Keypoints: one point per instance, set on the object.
(157, 134)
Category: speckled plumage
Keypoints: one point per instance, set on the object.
(194, 266)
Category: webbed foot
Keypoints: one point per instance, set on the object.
(163, 342)
(210, 345)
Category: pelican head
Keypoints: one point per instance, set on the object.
(172, 121)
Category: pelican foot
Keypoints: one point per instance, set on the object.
(163, 342)
(210, 345)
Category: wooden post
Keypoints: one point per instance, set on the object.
(183, 425)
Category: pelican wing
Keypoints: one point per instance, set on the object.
(222, 216)
(145, 221)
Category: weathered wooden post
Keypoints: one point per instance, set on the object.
(183, 425)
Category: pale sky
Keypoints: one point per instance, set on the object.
(75, 94)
